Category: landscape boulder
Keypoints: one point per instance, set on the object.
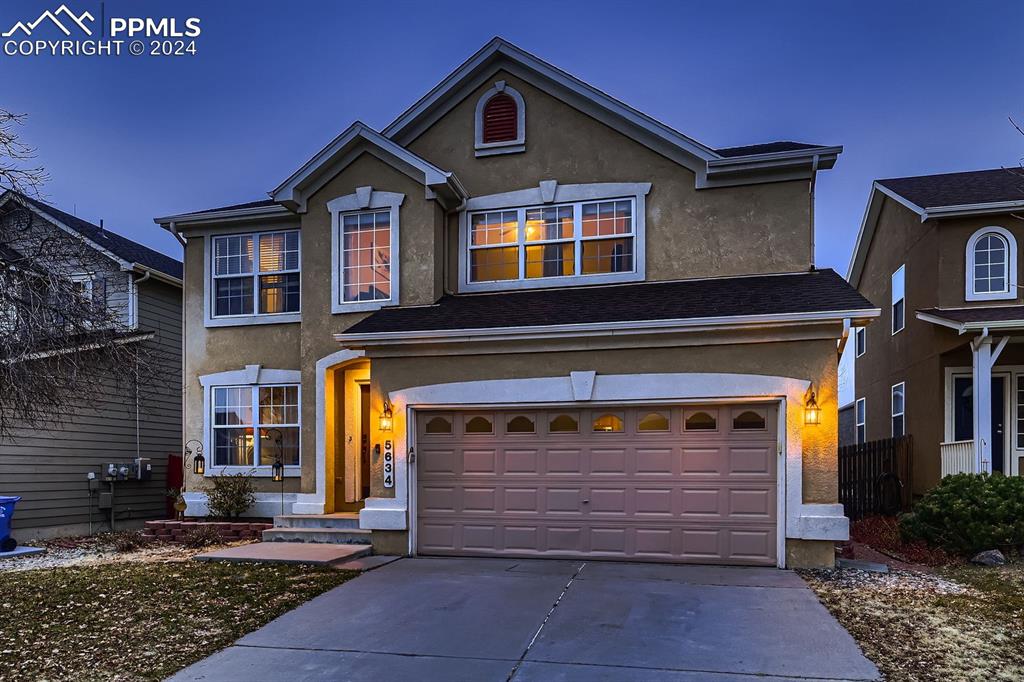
(990, 557)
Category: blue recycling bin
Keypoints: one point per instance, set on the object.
(7, 543)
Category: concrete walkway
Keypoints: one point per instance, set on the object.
(483, 620)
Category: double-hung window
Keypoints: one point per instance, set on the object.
(254, 426)
(898, 300)
(899, 426)
(861, 420)
(579, 239)
(255, 274)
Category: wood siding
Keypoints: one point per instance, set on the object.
(48, 467)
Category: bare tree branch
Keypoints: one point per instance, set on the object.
(15, 173)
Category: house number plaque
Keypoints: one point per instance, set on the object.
(389, 465)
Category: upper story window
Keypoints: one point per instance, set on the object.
(254, 275)
(500, 122)
(991, 265)
(898, 299)
(556, 244)
(364, 252)
(860, 340)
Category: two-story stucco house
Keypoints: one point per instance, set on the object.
(939, 253)
(526, 319)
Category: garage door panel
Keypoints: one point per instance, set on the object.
(702, 495)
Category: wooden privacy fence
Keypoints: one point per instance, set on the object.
(875, 477)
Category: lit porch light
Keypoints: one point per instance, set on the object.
(386, 418)
(812, 413)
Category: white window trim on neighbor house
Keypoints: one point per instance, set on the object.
(797, 519)
(253, 376)
(902, 386)
(1013, 400)
(860, 419)
(364, 199)
(860, 341)
(550, 194)
(505, 146)
(1009, 291)
(212, 320)
(898, 285)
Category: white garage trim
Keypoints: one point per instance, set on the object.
(802, 520)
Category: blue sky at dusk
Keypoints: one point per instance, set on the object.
(907, 88)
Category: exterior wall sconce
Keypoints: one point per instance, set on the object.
(812, 413)
(386, 418)
(195, 447)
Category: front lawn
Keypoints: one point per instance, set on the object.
(961, 622)
(136, 620)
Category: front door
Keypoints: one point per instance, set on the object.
(963, 411)
(998, 419)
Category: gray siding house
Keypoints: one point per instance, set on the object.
(49, 467)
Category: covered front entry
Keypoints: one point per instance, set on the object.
(653, 482)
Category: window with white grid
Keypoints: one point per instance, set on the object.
(254, 426)
(366, 256)
(568, 240)
(255, 274)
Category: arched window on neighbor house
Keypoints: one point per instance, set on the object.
(991, 272)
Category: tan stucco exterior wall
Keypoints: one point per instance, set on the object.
(810, 360)
(690, 232)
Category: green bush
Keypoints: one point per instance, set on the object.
(969, 513)
(231, 495)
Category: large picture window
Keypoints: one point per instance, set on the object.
(255, 274)
(253, 426)
(582, 238)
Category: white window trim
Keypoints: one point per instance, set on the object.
(1010, 292)
(210, 320)
(902, 272)
(364, 199)
(892, 407)
(550, 193)
(862, 334)
(857, 411)
(252, 376)
(505, 146)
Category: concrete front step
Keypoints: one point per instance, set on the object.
(335, 536)
(346, 520)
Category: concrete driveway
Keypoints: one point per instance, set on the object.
(526, 620)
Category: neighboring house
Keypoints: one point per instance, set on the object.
(48, 467)
(526, 319)
(939, 253)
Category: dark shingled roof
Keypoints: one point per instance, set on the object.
(250, 204)
(994, 313)
(766, 148)
(122, 247)
(817, 291)
(955, 189)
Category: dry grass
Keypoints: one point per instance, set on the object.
(920, 628)
(140, 620)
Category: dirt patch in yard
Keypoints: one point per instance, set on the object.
(956, 623)
(140, 615)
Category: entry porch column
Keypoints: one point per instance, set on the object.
(984, 358)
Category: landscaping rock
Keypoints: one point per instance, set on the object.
(990, 557)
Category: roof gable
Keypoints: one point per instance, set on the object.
(729, 166)
(349, 145)
(123, 251)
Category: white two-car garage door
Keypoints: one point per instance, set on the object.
(682, 483)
